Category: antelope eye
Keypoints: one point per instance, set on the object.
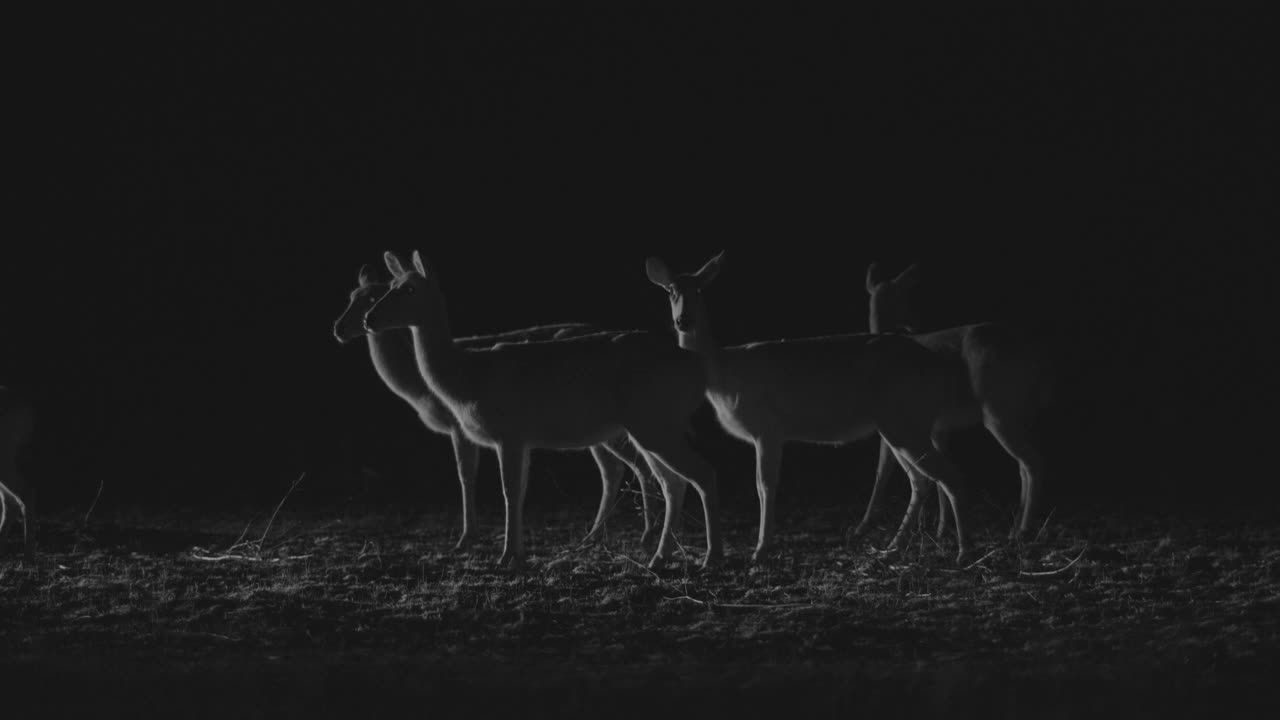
(408, 289)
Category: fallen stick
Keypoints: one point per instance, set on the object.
(1051, 573)
(223, 557)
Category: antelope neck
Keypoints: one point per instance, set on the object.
(393, 358)
(711, 353)
(439, 360)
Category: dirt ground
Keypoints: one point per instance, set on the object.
(328, 613)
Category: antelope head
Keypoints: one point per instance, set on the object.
(892, 306)
(684, 292)
(412, 296)
(370, 289)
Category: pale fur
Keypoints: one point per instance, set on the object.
(392, 355)
(567, 394)
(828, 390)
(997, 379)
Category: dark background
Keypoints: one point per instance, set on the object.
(199, 188)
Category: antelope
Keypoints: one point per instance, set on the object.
(999, 380)
(392, 354)
(829, 390)
(572, 393)
(16, 422)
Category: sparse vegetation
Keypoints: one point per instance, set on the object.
(347, 612)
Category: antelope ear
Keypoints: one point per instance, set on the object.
(908, 278)
(418, 264)
(393, 264)
(659, 274)
(368, 275)
(708, 272)
(875, 276)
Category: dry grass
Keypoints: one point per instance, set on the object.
(342, 613)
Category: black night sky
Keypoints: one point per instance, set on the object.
(205, 184)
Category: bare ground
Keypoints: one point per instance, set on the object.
(335, 613)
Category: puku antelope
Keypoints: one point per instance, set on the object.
(15, 429)
(998, 379)
(572, 393)
(827, 390)
(393, 358)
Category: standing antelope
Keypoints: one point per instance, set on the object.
(830, 390)
(572, 393)
(393, 358)
(999, 380)
(15, 429)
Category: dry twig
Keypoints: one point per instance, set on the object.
(254, 553)
(1051, 573)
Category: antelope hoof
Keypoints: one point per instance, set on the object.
(512, 562)
(856, 537)
(895, 545)
(465, 542)
(890, 552)
(646, 536)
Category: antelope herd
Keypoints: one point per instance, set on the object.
(628, 397)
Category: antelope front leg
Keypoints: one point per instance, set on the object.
(513, 462)
(679, 459)
(945, 511)
(1020, 520)
(934, 466)
(22, 510)
(467, 456)
(1032, 479)
(913, 505)
(673, 490)
(646, 503)
(768, 472)
(884, 468)
(610, 479)
(1013, 437)
(641, 480)
(669, 456)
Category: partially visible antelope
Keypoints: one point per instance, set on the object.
(16, 423)
(998, 379)
(393, 358)
(826, 390)
(575, 393)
